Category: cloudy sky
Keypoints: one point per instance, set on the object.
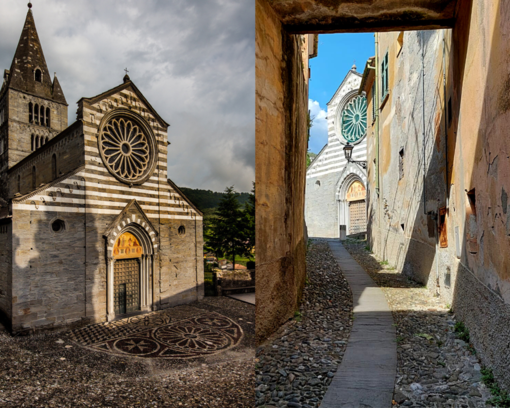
(193, 60)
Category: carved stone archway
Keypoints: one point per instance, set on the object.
(146, 270)
(132, 220)
(351, 173)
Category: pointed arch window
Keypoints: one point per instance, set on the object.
(54, 166)
(30, 112)
(48, 117)
(42, 115)
(38, 75)
(46, 140)
(19, 183)
(32, 145)
(33, 178)
(36, 113)
(37, 142)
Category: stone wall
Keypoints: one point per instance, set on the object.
(281, 134)
(60, 278)
(48, 270)
(47, 290)
(68, 149)
(20, 129)
(5, 271)
(452, 123)
(321, 209)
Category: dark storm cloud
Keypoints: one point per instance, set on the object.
(193, 60)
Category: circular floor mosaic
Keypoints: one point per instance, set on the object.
(157, 335)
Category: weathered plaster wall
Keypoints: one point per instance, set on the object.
(281, 133)
(408, 122)
(453, 151)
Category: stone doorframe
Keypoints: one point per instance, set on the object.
(146, 269)
(133, 220)
(351, 173)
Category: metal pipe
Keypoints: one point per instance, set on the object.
(423, 119)
(447, 183)
(377, 108)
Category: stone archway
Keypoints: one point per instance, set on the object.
(351, 175)
(131, 266)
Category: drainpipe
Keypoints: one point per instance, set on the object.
(376, 100)
(447, 183)
(423, 119)
(196, 261)
(377, 109)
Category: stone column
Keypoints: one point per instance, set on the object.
(109, 289)
(143, 286)
(150, 274)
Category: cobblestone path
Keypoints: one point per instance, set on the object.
(49, 370)
(296, 365)
(435, 368)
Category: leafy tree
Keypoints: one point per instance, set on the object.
(227, 232)
(205, 199)
(309, 158)
(249, 213)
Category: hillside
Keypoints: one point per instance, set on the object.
(206, 199)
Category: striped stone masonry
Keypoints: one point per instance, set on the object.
(329, 175)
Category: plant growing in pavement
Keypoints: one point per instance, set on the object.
(500, 398)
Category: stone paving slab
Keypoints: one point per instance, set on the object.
(244, 297)
(366, 376)
(162, 334)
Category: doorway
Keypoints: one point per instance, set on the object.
(126, 283)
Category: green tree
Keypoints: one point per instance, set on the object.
(227, 232)
(249, 213)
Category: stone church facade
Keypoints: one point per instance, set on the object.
(90, 227)
(335, 194)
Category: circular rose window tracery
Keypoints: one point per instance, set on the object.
(354, 119)
(126, 150)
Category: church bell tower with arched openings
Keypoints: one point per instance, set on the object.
(33, 108)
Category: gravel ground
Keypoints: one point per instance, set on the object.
(296, 365)
(435, 368)
(46, 370)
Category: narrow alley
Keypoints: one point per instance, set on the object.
(436, 365)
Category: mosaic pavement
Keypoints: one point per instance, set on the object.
(159, 335)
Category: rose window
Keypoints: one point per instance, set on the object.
(126, 150)
(354, 119)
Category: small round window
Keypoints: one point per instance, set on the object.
(181, 230)
(58, 226)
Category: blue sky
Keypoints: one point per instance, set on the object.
(337, 54)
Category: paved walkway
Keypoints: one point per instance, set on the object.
(366, 376)
(176, 333)
(244, 297)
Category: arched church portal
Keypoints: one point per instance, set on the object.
(130, 265)
(351, 198)
(356, 197)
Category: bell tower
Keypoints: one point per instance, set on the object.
(33, 108)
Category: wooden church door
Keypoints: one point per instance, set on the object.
(126, 274)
